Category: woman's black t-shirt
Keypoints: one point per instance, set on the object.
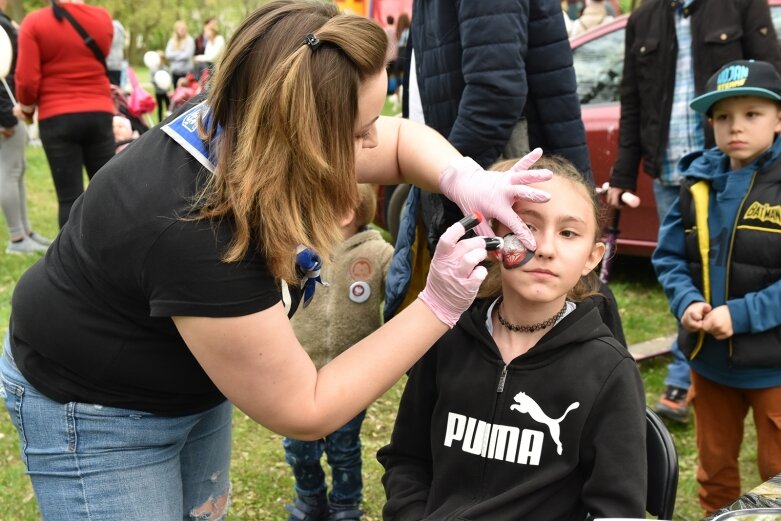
(91, 321)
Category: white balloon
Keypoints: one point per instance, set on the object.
(151, 59)
(6, 54)
(162, 79)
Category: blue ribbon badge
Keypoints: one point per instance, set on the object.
(309, 265)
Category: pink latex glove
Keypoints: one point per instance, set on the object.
(493, 193)
(453, 276)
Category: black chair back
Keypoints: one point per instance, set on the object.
(662, 468)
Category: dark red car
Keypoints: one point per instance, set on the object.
(599, 61)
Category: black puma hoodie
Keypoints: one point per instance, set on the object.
(557, 434)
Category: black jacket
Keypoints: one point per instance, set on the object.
(722, 31)
(752, 262)
(7, 118)
(557, 434)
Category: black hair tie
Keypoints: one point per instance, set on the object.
(312, 41)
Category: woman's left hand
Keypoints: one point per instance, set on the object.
(493, 193)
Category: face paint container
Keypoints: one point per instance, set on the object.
(513, 253)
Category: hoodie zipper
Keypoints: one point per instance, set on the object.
(502, 378)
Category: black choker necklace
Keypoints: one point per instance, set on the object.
(534, 327)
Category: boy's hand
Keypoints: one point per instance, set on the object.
(694, 316)
(719, 323)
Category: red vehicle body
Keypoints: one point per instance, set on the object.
(599, 56)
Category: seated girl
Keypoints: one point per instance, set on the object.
(528, 408)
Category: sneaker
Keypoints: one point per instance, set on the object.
(40, 239)
(672, 405)
(26, 245)
(302, 510)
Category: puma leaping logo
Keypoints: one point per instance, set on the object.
(526, 405)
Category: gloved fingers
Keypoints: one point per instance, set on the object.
(518, 227)
(526, 177)
(528, 193)
(479, 274)
(528, 160)
(449, 239)
(484, 229)
(475, 256)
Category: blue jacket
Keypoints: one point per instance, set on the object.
(481, 67)
(741, 212)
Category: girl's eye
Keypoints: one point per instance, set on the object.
(569, 234)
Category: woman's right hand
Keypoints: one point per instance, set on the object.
(454, 275)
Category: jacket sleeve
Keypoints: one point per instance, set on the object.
(407, 459)
(493, 41)
(624, 174)
(552, 106)
(613, 451)
(27, 78)
(671, 266)
(757, 311)
(760, 41)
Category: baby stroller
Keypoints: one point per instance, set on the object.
(187, 88)
(134, 106)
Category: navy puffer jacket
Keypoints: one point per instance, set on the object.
(481, 66)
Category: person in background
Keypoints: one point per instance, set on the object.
(115, 59)
(718, 263)
(390, 58)
(123, 133)
(58, 76)
(491, 424)
(13, 138)
(162, 84)
(670, 52)
(213, 46)
(402, 55)
(179, 52)
(594, 14)
(166, 299)
(348, 309)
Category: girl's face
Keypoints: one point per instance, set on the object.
(565, 229)
(371, 98)
(745, 127)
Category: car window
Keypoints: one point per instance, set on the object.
(599, 64)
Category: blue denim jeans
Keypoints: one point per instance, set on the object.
(343, 452)
(677, 370)
(87, 461)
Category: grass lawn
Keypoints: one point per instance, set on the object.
(262, 482)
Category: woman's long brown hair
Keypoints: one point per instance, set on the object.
(285, 170)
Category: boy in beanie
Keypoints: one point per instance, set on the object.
(339, 315)
(718, 261)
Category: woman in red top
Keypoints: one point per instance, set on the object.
(58, 75)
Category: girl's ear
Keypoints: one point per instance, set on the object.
(597, 252)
